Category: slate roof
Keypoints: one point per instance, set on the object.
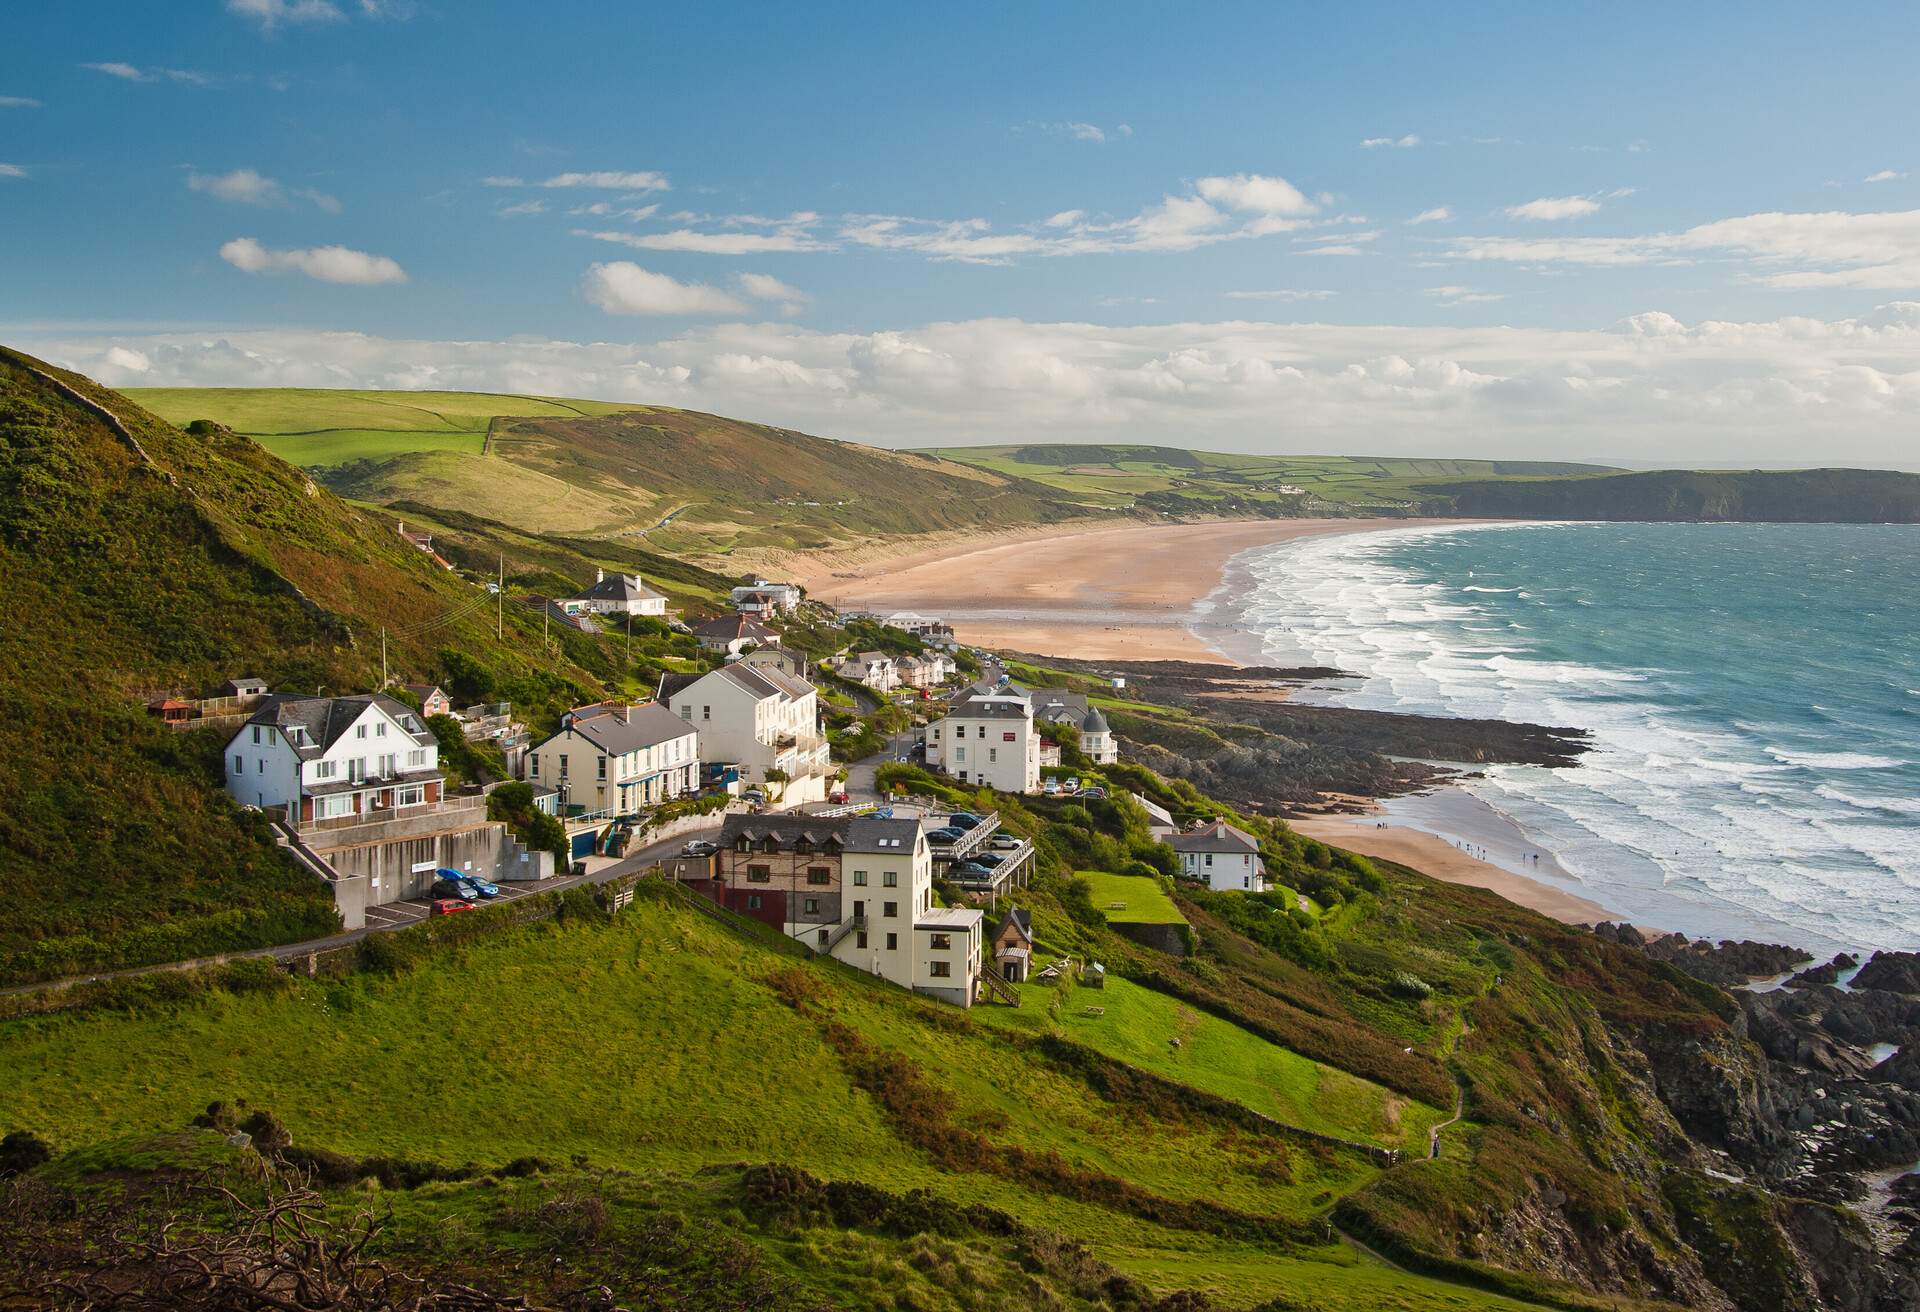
(325, 719)
(977, 708)
(868, 833)
(1094, 722)
(648, 725)
(1216, 837)
(1020, 918)
(785, 830)
(735, 628)
(618, 587)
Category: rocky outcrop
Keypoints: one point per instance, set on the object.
(1896, 972)
(1728, 964)
(1824, 974)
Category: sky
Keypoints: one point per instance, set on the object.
(1648, 233)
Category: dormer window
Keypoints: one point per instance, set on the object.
(802, 846)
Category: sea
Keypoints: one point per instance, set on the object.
(1752, 692)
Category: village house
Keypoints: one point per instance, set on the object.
(763, 598)
(618, 758)
(616, 594)
(930, 669)
(858, 888)
(760, 719)
(1012, 945)
(734, 634)
(357, 785)
(244, 686)
(871, 669)
(791, 663)
(1222, 857)
(1057, 706)
(432, 700)
(988, 738)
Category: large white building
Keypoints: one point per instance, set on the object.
(859, 888)
(619, 758)
(759, 719)
(989, 738)
(326, 758)
(1057, 706)
(764, 598)
(1222, 857)
(616, 594)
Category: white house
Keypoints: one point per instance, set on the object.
(1224, 858)
(759, 718)
(989, 738)
(1057, 706)
(616, 594)
(927, 670)
(763, 598)
(614, 757)
(328, 758)
(872, 669)
(734, 634)
(859, 888)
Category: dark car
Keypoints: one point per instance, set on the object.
(699, 847)
(963, 820)
(992, 859)
(472, 885)
(964, 870)
(945, 837)
(449, 889)
(446, 906)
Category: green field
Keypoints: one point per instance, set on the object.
(1175, 478)
(1132, 899)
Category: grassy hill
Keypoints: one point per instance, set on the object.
(1177, 481)
(685, 482)
(136, 559)
(1809, 496)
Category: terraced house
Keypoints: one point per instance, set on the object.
(762, 719)
(618, 758)
(859, 888)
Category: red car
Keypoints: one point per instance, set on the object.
(446, 906)
(838, 799)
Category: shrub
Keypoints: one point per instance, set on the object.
(22, 1151)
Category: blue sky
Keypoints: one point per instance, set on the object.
(1609, 231)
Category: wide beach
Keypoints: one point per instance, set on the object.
(1131, 592)
(1097, 591)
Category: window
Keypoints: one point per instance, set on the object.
(360, 731)
(533, 765)
(940, 942)
(603, 767)
(812, 906)
(415, 760)
(940, 969)
(753, 901)
(239, 765)
(759, 874)
(256, 733)
(409, 796)
(893, 942)
(1209, 858)
(890, 910)
(802, 846)
(860, 938)
(563, 765)
(380, 729)
(859, 879)
(706, 712)
(686, 712)
(262, 763)
(993, 755)
(824, 935)
(890, 878)
(959, 753)
(819, 874)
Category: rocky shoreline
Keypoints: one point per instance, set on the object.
(1821, 1099)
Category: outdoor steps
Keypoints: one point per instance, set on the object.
(846, 927)
(998, 986)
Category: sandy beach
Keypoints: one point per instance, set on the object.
(1096, 591)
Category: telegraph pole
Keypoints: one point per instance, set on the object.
(500, 601)
(383, 658)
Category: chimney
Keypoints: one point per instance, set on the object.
(626, 713)
(599, 576)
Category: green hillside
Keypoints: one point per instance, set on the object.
(1173, 480)
(1801, 496)
(142, 560)
(682, 481)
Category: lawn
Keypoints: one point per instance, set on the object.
(1132, 899)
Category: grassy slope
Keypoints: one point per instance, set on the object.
(123, 580)
(656, 1043)
(603, 470)
(1135, 899)
(1121, 476)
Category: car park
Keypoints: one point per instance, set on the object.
(471, 885)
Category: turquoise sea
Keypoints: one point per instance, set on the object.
(1753, 691)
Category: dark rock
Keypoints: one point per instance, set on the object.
(1826, 974)
(1897, 972)
(1728, 964)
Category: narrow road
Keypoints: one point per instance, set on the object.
(640, 860)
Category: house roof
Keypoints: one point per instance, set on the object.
(325, 719)
(1020, 918)
(949, 918)
(674, 681)
(1216, 837)
(766, 680)
(784, 830)
(1094, 722)
(734, 628)
(618, 587)
(646, 725)
(979, 708)
(423, 690)
(869, 833)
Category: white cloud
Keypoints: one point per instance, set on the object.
(601, 209)
(1281, 294)
(270, 14)
(249, 187)
(605, 181)
(711, 243)
(522, 208)
(1333, 248)
(1884, 175)
(1407, 142)
(502, 180)
(128, 73)
(18, 102)
(1076, 130)
(1651, 388)
(335, 264)
(1438, 214)
(766, 287)
(12, 171)
(621, 287)
(1255, 192)
(1457, 295)
(1066, 219)
(128, 360)
(1550, 208)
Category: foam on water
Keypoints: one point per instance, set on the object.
(1747, 688)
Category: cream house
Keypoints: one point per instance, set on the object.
(616, 594)
(989, 738)
(618, 758)
(760, 719)
(1222, 857)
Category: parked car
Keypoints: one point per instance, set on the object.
(840, 798)
(963, 820)
(945, 837)
(1098, 794)
(446, 906)
(965, 870)
(1007, 842)
(1073, 783)
(470, 884)
(699, 847)
(991, 860)
(755, 796)
(1051, 788)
